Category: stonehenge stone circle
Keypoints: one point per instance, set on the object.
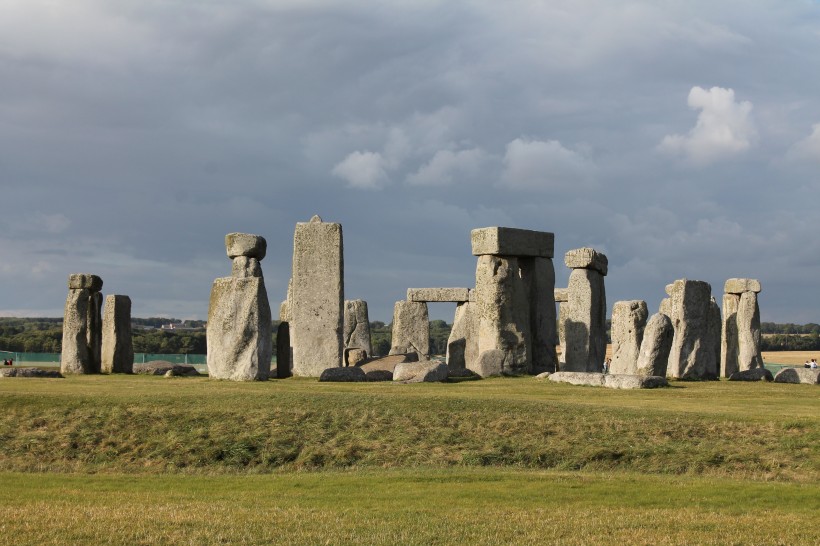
(693, 352)
(317, 302)
(740, 340)
(357, 326)
(238, 334)
(117, 342)
(411, 329)
(82, 325)
(628, 323)
(584, 314)
(655, 347)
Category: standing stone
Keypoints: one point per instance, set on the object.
(462, 345)
(411, 329)
(748, 331)
(655, 347)
(283, 351)
(561, 297)
(317, 305)
(117, 343)
(628, 323)
(538, 275)
(357, 326)
(715, 327)
(585, 319)
(729, 338)
(502, 313)
(75, 358)
(692, 355)
(94, 331)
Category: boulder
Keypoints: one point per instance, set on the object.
(343, 375)
(245, 244)
(808, 376)
(693, 351)
(162, 367)
(538, 277)
(611, 381)
(426, 371)
(543, 375)
(29, 372)
(754, 374)
(748, 333)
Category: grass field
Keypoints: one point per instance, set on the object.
(145, 460)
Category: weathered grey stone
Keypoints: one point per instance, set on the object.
(162, 367)
(611, 381)
(504, 241)
(462, 345)
(343, 375)
(754, 374)
(454, 295)
(591, 379)
(628, 323)
(411, 329)
(30, 372)
(354, 357)
(239, 330)
(562, 335)
(284, 307)
(655, 347)
(245, 244)
(75, 357)
(357, 326)
(94, 331)
(586, 258)
(584, 322)
(117, 343)
(729, 338)
(666, 307)
(502, 312)
(428, 371)
(560, 295)
(85, 280)
(538, 277)
(243, 266)
(748, 332)
(714, 337)
(693, 352)
(489, 363)
(317, 303)
(382, 369)
(808, 376)
(543, 375)
(668, 288)
(739, 286)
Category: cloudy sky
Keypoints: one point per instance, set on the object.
(681, 138)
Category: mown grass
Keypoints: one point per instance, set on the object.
(406, 506)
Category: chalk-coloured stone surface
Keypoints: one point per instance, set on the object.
(755, 374)
(628, 323)
(560, 295)
(748, 333)
(594, 379)
(239, 330)
(728, 337)
(504, 241)
(357, 326)
(584, 322)
(538, 276)
(75, 357)
(317, 303)
(655, 347)
(502, 312)
(666, 307)
(85, 280)
(462, 345)
(411, 329)
(245, 244)
(807, 376)
(489, 363)
(562, 335)
(427, 371)
(455, 295)
(693, 352)
(586, 258)
(739, 286)
(244, 266)
(117, 343)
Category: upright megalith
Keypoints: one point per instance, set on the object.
(584, 322)
(357, 326)
(628, 323)
(239, 318)
(561, 298)
(655, 347)
(462, 345)
(740, 346)
(693, 346)
(82, 325)
(411, 329)
(117, 342)
(317, 302)
(513, 306)
(284, 348)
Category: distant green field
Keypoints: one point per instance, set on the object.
(144, 460)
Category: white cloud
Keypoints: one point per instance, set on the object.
(363, 170)
(807, 149)
(536, 164)
(724, 128)
(446, 165)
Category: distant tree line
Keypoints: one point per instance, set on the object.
(789, 328)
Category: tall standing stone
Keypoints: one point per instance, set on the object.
(538, 275)
(740, 346)
(693, 354)
(117, 342)
(655, 347)
(239, 317)
(561, 298)
(715, 327)
(748, 332)
(94, 338)
(585, 319)
(728, 338)
(628, 323)
(82, 325)
(357, 326)
(317, 305)
(411, 329)
(462, 345)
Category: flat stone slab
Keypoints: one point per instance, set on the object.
(739, 286)
(343, 375)
(425, 371)
(382, 369)
(611, 381)
(454, 295)
(561, 295)
(85, 280)
(161, 367)
(29, 372)
(808, 376)
(755, 374)
(587, 258)
(245, 244)
(504, 241)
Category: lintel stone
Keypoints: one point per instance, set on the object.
(85, 280)
(504, 241)
(455, 295)
(739, 286)
(245, 244)
(586, 258)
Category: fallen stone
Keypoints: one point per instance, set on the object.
(543, 375)
(592, 379)
(29, 372)
(755, 374)
(162, 367)
(504, 241)
(245, 244)
(243, 266)
(655, 347)
(91, 282)
(806, 376)
(611, 381)
(586, 258)
(343, 375)
(739, 286)
(454, 295)
(426, 371)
